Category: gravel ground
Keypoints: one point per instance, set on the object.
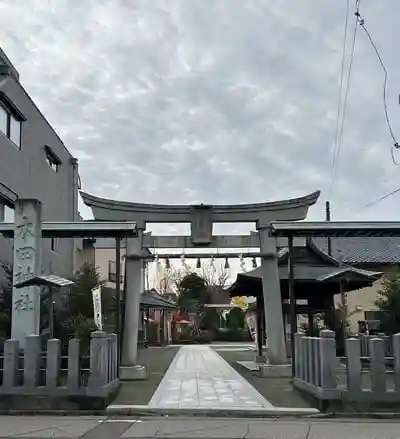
(279, 391)
(157, 361)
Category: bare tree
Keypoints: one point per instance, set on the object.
(169, 279)
(214, 274)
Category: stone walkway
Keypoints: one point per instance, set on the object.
(199, 378)
(65, 427)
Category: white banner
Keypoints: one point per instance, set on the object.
(98, 318)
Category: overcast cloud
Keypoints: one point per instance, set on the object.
(214, 101)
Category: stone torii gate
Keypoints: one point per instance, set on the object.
(201, 218)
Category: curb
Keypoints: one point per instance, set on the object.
(360, 415)
(145, 411)
(12, 412)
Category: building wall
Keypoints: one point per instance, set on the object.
(102, 258)
(25, 173)
(363, 300)
(100, 253)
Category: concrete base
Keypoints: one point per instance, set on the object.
(261, 359)
(275, 371)
(249, 365)
(132, 373)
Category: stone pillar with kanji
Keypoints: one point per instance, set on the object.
(27, 263)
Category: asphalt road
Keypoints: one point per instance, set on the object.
(106, 428)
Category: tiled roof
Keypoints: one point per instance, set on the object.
(363, 250)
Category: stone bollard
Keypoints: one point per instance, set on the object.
(378, 367)
(297, 356)
(113, 357)
(10, 363)
(396, 365)
(98, 360)
(310, 360)
(327, 351)
(53, 362)
(31, 361)
(317, 361)
(353, 369)
(74, 369)
(303, 349)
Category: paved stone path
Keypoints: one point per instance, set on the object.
(65, 427)
(199, 378)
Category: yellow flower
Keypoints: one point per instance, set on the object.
(239, 302)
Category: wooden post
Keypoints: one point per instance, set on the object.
(292, 296)
(328, 218)
(118, 291)
(311, 326)
(259, 317)
(147, 323)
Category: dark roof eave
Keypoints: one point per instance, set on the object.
(336, 229)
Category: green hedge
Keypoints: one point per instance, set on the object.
(225, 334)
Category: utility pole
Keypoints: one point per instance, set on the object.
(343, 300)
(328, 218)
(329, 241)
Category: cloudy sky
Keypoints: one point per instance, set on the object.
(214, 101)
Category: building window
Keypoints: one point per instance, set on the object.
(15, 130)
(52, 159)
(10, 125)
(112, 272)
(3, 120)
(8, 214)
(373, 315)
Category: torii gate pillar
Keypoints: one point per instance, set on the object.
(130, 369)
(272, 299)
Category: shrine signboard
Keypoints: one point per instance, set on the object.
(27, 263)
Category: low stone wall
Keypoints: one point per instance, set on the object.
(319, 373)
(41, 380)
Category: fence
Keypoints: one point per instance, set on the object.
(320, 373)
(34, 372)
(364, 342)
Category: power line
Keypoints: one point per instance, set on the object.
(361, 22)
(395, 145)
(335, 143)
(340, 142)
(341, 129)
(383, 197)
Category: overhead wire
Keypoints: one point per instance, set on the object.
(342, 111)
(339, 106)
(361, 22)
(383, 197)
(395, 145)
